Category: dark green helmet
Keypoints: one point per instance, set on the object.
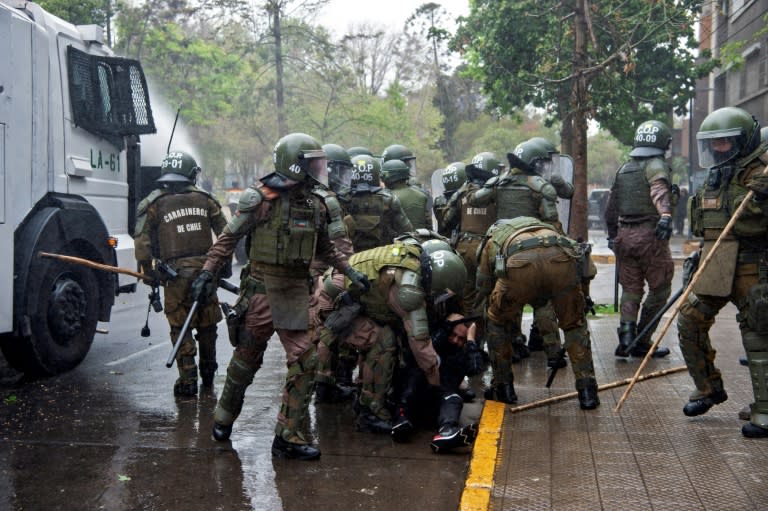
(339, 168)
(531, 157)
(299, 157)
(652, 138)
(726, 134)
(358, 150)
(366, 170)
(546, 144)
(393, 171)
(446, 275)
(483, 166)
(178, 167)
(435, 244)
(402, 153)
(453, 176)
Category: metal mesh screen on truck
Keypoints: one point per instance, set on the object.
(109, 96)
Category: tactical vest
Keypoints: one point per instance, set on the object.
(476, 220)
(633, 190)
(414, 203)
(184, 227)
(518, 195)
(289, 237)
(368, 211)
(371, 262)
(712, 207)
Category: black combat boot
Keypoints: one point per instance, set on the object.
(284, 449)
(451, 436)
(185, 388)
(750, 430)
(642, 348)
(519, 349)
(627, 331)
(221, 432)
(588, 399)
(702, 405)
(402, 428)
(367, 421)
(330, 393)
(503, 392)
(535, 340)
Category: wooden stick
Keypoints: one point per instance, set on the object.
(618, 383)
(726, 231)
(93, 264)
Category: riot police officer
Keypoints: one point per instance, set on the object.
(405, 283)
(289, 221)
(524, 260)
(469, 224)
(173, 228)
(399, 165)
(639, 220)
(376, 214)
(730, 147)
(451, 177)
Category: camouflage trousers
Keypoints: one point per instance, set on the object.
(377, 346)
(536, 276)
(696, 317)
(545, 319)
(177, 304)
(248, 357)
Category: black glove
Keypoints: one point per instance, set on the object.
(475, 359)
(759, 185)
(664, 228)
(358, 278)
(590, 305)
(203, 288)
(146, 269)
(611, 245)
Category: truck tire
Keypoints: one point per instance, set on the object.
(62, 307)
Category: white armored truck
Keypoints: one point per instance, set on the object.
(70, 118)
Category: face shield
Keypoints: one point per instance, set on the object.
(340, 177)
(316, 165)
(548, 168)
(411, 162)
(718, 147)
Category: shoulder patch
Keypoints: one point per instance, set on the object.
(149, 199)
(492, 182)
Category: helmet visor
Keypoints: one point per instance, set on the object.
(547, 168)
(411, 162)
(340, 177)
(718, 147)
(317, 169)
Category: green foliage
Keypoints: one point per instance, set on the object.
(82, 12)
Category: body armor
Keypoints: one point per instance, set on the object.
(514, 197)
(476, 219)
(634, 191)
(289, 237)
(368, 211)
(184, 229)
(414, 203)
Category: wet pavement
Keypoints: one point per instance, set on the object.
(110, 435)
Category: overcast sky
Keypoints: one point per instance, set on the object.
(338, 15)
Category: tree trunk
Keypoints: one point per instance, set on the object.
(279, 88)
(578, 115)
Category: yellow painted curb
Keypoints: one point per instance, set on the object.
(604, 258)
(479, 484)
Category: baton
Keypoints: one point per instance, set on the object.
(560, 356)
(172, 356)
(655, 320)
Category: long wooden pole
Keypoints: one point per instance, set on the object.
(726, 231)
(618, 383)
(98, 266)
